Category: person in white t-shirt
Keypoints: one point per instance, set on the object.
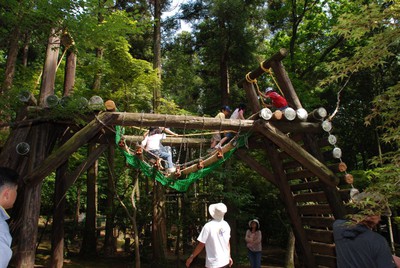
(152, 143)
(215, 237)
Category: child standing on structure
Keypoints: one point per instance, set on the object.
(224, 112)
(237, 114)
(278, 101)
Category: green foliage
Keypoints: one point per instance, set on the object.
(181, 79)
(386, 109)
(372, 30)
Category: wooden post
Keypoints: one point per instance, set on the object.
(285, 84)
(110, 245)
(89, 241)
(57, 233)
(252, 97)
(43, 139)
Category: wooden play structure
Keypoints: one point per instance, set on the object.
(298, 152)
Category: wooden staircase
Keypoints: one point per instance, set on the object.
(310, 204)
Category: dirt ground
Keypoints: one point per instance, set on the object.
(272, 258)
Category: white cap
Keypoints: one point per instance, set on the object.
(268, 89)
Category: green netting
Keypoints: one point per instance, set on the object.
(179, 184)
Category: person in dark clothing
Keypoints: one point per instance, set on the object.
(357, 245)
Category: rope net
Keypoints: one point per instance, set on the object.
(180, 184)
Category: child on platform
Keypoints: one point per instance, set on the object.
(278, 101)
(224, 112)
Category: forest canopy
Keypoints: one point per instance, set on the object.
(342, 55)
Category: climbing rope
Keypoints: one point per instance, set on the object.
(254, 82)
(268, 70)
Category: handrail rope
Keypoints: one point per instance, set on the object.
(220, 125)
(193, 134)
(180, 146)
(202, 138)
(165, 126)
(187, 153)
(123, 120)
(141, 120)
(268, 70)
(240, 127)
(201, 158)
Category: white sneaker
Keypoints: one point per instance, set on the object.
(171, 170)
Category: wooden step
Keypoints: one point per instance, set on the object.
(310, 197)
(323, 249)
(311, 185)
(317, 222)
(300, 174)
(319, 235)
(291, 164)
(314, 210)
(325, 261)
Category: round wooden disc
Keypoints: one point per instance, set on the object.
(348, 178)
(278, 114)
(342, 167)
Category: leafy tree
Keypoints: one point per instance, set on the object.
(181, 78)
(373, 29)
(224, 41)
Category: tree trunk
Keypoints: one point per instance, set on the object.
(11, 60)
(110, 245)
(57, 237)
(178, 233)
(232, 211)
(97, 78)
(70, 68)
(77, 210)
(157, 52)
(26, 223)
(159, 237)
(224, 78)
(50, 67)
(135, 190)
(290, 250)
(25, 49)
(89, 241)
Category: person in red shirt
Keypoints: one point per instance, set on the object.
(278, 101)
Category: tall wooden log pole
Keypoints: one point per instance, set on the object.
(285, 84)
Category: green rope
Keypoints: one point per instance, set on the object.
(179, 184)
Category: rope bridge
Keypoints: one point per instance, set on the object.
(179, 184)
